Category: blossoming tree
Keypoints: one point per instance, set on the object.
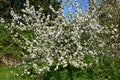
(60, 42)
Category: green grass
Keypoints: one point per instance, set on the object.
(4, 73)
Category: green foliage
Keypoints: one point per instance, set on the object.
(7, 46)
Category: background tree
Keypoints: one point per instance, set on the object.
(110, 17)
(110, 12)
(17, 5)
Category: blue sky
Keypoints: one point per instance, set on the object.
(83, 3)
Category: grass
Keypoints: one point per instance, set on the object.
(4, 73)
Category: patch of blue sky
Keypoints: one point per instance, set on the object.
(83, 4)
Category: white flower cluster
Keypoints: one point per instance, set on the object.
(60, 41)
